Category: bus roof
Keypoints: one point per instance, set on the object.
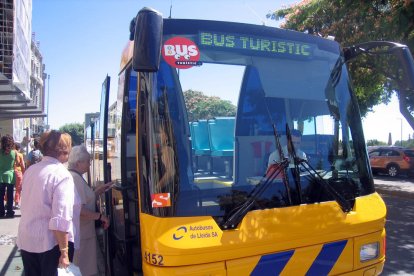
(195, 26)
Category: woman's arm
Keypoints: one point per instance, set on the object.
(86, 214)
(62, 239)
(100, 189)
(61, 214)
(90, 215)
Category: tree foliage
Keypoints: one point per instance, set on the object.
(375, 142)
(376, 78)
(75, 130)
(200, 106)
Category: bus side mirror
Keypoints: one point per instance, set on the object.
(407, 63)
(400, 51)
(147, 40)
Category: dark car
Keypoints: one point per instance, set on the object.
(392, 160)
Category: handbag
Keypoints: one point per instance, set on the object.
(71, 270)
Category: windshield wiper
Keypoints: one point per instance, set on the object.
(281, 154)
(238, 213)
(292, 154)
(345, 205)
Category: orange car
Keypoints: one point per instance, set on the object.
(392, 160)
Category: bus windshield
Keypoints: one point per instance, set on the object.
(286, 94)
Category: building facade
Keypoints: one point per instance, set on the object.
(22, 77)
(38, 80)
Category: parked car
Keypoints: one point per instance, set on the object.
(392, 160)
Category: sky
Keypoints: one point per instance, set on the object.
(387, 119)
(81, 42)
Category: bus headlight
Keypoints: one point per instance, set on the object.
(369, 252)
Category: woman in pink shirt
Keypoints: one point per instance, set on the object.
(50, 209)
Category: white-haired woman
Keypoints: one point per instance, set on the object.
(85, 257)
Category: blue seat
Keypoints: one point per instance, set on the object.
(201, 145)
(221, 131)
(201, 142)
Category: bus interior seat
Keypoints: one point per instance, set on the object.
(221, 133)
(200, 144)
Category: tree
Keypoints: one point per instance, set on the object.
(375, 142)
(353, 22)
(200, 106)
(76, 132)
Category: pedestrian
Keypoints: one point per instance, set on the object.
(48, 231)
(35, 155)
(85, 257)
(7, 179)
(19, 168)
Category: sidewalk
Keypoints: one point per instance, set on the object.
(11, 263)
(10, 259)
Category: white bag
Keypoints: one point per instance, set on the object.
(71, 270)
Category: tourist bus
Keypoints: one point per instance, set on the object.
(235, 212)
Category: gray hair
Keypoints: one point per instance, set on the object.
(78, 153)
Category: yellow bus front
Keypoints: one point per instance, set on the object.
(241, 153)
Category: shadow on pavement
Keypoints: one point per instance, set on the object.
(400, 228)
(13, 264)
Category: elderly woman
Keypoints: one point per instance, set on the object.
(85, 256)
(50, 209)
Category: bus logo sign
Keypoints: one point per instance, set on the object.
(181, 53)
(179, 235)
(160, 200)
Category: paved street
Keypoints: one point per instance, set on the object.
(400, 229)
(398, 194)
(402, 187)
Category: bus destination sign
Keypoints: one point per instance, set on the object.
(254, 43)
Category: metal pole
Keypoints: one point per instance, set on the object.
(28, 140)
(401, 132)
(48, 90)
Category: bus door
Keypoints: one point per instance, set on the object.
(100, 168)
(123, 198)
